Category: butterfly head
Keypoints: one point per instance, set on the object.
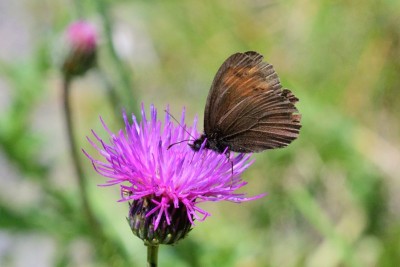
(210, 143)
(196, 145)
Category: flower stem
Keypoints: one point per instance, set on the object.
(121, 68)
(109, 249)
(75, 155)
(113, 97)
(152, 256)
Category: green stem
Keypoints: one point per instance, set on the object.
(122, 70)
(152, 256)
(108, 248)
(113, 97)
(75, 155)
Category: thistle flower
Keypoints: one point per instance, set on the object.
(81, 42)
(165, 184)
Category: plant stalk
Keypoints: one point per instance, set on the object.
(125, 80)
(152, 256)
(82, 184)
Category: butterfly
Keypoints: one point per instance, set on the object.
(247, 110)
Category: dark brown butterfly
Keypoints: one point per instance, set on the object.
(247, 110)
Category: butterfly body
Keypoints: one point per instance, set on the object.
(212, 142)
(247, 110)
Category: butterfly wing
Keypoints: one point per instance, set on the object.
(247, 109)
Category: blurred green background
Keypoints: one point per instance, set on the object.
(333, 195)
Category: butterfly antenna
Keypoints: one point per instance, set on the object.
(171, 145)
(184, 128)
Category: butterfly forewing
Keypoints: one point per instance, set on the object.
(224, 89)
(246, 108)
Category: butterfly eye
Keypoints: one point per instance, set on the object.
(196, 145)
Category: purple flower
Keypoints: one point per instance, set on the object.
(81, 46)
(168, 182)
(82, 36)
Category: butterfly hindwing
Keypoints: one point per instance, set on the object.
(246, 108)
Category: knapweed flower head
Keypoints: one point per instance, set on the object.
(165, 183)
(81, 41)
